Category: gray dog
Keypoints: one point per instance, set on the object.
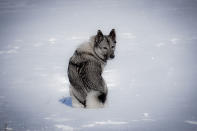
(87, 86)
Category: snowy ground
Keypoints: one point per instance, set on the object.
(152, 81)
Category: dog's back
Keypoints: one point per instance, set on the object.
(85, 69)
(84, 72)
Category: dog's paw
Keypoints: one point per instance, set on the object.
(77, 105)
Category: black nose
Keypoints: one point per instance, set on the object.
(112, 56)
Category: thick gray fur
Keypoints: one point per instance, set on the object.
(86, 66)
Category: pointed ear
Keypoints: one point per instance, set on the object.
(112, 34)
(98, 37)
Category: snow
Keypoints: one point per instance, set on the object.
(146, 114)
(65, 128)
(151, 81)
(174, 40)
(191, 122)
(52, 41)
(8, 129)
(12, 50)
(108, 122)
(127, 36)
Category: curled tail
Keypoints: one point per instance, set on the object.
(102, 97)
(96, 99)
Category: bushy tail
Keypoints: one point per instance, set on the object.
(102, 97)
(95, 99)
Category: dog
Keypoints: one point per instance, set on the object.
(87, 86)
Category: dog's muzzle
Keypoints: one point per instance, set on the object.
(112, 56)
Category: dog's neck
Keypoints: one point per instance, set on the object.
(98, 56)
(92, 44)
(89, 47)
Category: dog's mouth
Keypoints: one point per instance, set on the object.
(105, 57)
(108, 57)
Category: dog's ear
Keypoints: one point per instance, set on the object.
(98, 37)
(112, 34)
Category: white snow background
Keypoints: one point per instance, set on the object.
(152, 80)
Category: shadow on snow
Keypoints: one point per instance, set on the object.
(67, 101)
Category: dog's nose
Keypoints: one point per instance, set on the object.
(112, 56)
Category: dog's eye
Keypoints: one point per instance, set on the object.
(112, 46)
(105, 48)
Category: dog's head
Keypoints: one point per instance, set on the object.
(104, 45)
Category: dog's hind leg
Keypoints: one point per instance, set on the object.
(75, 102)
